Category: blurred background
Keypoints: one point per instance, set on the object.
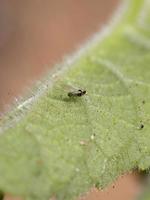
(36, 34)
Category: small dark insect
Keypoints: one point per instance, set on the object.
(77, 93)
(141, 126)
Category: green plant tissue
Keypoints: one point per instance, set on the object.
(53, 145)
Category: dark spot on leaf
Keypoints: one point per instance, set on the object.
(143, 102)
(141, 126)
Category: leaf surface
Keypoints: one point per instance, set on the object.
(55, 145)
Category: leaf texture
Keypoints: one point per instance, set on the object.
(54, 145)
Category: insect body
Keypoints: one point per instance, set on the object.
(77, 93)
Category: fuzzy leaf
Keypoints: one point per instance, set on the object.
(55, 145)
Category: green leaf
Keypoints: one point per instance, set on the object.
(55, 145)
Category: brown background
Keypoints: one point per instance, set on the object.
(36, 34)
